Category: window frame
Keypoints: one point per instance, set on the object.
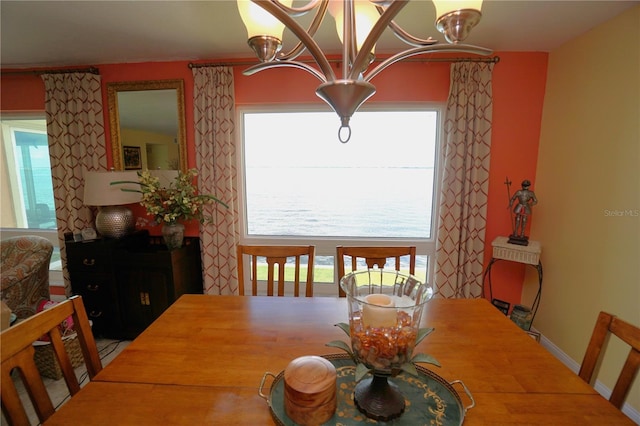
(326, 246)
(7, 153)
(10, 151)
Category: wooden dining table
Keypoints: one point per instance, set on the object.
(203, 360)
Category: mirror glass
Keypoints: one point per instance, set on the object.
(147, 125)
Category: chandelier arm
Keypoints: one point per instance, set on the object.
(405, 36)
(458, 48)
(375, 33)
(282, 64)
(409, 39)
(315, 24)
(274, 8)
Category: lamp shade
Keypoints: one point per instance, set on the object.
(258, 21)
(98, 190)
(366, 17)
(447, 6)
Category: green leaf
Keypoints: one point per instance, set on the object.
(410, 368)
(340, 345)
(344, 327)
(426, 359)
(361, 371)
(422, 333)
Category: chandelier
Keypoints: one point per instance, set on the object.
(359, 23)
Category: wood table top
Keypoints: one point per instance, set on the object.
(203, 360)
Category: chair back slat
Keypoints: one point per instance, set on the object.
(630, 334)
(276, 256)
(374, 257)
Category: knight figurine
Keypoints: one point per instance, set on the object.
(525, 199)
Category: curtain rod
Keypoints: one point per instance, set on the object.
(493, 59)
(91, 70)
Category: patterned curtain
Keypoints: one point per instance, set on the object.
(75, 128)
(214, 117)
(463, 200)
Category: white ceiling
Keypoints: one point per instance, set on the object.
(59, 33)
(82, 33)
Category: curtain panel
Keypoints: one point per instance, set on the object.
(463, 198)
(214, 120)
(75, 130)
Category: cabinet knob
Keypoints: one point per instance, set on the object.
(88, 262)
(93, 287)
(95, 314)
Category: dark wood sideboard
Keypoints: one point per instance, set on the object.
(127, 283)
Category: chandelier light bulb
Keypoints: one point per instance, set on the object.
(366, 17)
(258, 21)
(447, 6)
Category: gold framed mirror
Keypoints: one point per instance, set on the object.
(147, 125)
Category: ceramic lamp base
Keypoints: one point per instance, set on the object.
(379, 399)
(114, 221)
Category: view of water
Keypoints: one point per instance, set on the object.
(43, 186)
(340, 201)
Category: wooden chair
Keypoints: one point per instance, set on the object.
(628, 333)
(373, 257)
(17, 352)
(275, 255)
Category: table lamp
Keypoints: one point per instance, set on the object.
(114, 219)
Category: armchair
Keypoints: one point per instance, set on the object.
(24, 271)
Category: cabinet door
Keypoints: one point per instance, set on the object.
(144, 295)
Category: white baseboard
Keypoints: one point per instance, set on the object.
(603, 390)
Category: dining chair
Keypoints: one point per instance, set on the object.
(276, 255)
(373, 257)
(17, 354)
(628, 333)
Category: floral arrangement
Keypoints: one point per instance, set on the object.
(178, 201)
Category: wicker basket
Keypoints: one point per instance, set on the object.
(46, 361)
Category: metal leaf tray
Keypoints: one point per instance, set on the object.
(430, 400)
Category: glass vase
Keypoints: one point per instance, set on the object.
(385, 309)
(173, 235)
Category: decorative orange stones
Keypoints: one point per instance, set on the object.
(310, 390)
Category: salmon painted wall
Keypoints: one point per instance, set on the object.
(518, 90)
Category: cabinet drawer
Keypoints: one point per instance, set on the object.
(89, 262)
(102, 317)
(89, 258)
(96, 309)
(92, 285)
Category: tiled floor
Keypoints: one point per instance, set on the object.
(58, 392)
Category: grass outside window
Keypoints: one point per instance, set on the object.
(321, 274)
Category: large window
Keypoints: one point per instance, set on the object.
(301, 185)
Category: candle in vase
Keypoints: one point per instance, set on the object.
(379, 311)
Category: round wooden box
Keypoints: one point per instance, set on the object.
(310, 390)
